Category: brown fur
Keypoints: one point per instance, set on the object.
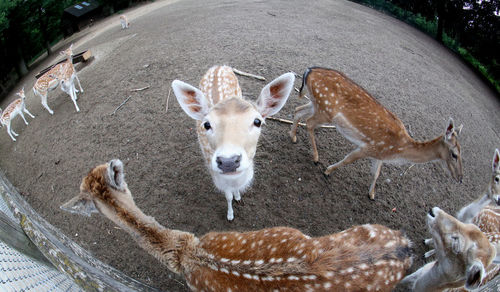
(377, 132)
(362, 258)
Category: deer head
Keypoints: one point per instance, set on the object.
(452, 156)
(102, 183)
(232, 126)
(462, 250)
(21, 93)
(494, 186)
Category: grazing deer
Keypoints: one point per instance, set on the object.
(124, 21)
(229, 126)
(17, 107)
(362, 258)
(64, 74)
(463, 254)
(377, 132)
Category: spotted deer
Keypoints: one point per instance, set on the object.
(465, 256)
(124, 21)
(229, 126)
(63, 74)
(362, 258)
(482, 212)
(483, 209)
(17, 107)
(377, 132)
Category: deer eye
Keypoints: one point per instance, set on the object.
(497, 179)
(455, 156)
(257, 123)
(207, 126)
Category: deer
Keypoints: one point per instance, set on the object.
(361, 119)
(16, 107)
(124, 21)
(362, 258)
(228, 126)
(465, 256)
(484, 211)
(63, 74)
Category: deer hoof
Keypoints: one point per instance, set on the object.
(239, 202)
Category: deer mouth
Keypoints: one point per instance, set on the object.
(231, 173)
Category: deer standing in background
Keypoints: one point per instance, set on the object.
(124, 21)
(229, 126)
(464, 256)
(17, 107)
(64, 74)
(377, 132)
(362, 258)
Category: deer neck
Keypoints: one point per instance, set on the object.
(167, 245)
(424, 151)
(435, 279)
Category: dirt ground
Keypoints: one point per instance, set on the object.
(408, 72)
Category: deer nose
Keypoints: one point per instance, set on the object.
(228, 164)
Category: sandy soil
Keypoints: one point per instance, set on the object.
(408, 72)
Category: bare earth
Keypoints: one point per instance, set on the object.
(408, 72)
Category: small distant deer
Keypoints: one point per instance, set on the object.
(362, 258)
(17, 107)
(464, 256)
(229, 126)
(377, 132)
(124, 21)
(64, 74)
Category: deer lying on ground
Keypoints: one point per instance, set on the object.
(229, 126)
(463, 254)
(362, 258)
(124, 21)
(482, 212)
(16, 107)
(360, 118)
(64, 74)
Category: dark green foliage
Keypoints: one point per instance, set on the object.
(472, 33)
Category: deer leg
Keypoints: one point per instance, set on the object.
(377, 165)
(79, 84)
(429, 253)
(350, 158)
(229, 199)
(45, 105)
(22, 116)
(10, 132)
(26, 111)
(301, 112)
(73, 96)
(311, 125)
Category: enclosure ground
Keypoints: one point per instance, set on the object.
(408, 72)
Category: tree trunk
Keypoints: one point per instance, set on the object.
(21, 67)
(441, 17)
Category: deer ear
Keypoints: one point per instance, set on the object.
(474, 275)
(274, 95)
(115, 175)
(496, 161)
(81, 204)
(191, 99)
(450, 129)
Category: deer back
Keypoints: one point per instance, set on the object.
(360, 258)
(360, 117)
